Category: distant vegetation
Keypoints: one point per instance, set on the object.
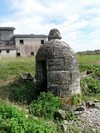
(90, 52)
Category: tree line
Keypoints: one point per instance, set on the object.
(89, 52)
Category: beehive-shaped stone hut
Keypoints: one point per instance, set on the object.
(56, 67)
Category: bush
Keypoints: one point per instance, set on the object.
(23, 92)
(94, 68)
(13, 120)
(9, 115)
(45, 105)
(8, 112)
(90, 86)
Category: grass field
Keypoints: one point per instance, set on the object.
(88, 59)
(10, 69)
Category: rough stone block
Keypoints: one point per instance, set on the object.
(54, 89)
(58, 77)
(55, 64)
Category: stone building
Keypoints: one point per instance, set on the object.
(7, 46)
(56, 67)
(12, 45)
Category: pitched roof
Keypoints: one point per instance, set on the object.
(29, 36)
(7, 28)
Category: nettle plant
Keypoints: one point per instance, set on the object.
(45, 105)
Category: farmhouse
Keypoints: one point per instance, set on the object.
(19, 45)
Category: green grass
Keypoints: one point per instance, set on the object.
(92, 97)
(88, 59)
(12, 68)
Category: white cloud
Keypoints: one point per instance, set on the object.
(78, 21)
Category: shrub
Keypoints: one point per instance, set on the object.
(45, 105)
(84, 67)
(8, 115)
(95, 69)
(90, 86)
(8, 112)
(23, 92)
(12, 120)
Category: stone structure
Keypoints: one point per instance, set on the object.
(7, 46)
(28, 45)
(19, 45)
(56, 67)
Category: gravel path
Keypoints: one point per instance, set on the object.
(91, 117)
(88, 120)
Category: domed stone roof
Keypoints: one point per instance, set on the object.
(54, 34)
(54, 48)
(56, 66)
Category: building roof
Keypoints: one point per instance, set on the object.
(8, 48)
(29, 36)
(7, 28)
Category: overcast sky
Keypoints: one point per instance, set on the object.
(77, 20)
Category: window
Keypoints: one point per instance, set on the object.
(32, 53)
(21, 41)
(18, 54)
(7, 51)
(42, 41)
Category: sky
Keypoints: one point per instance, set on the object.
(77, 20)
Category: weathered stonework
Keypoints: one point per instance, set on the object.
(56, 67)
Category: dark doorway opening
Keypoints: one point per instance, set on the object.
(18, 54)
(44, 72)
(32, 53)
